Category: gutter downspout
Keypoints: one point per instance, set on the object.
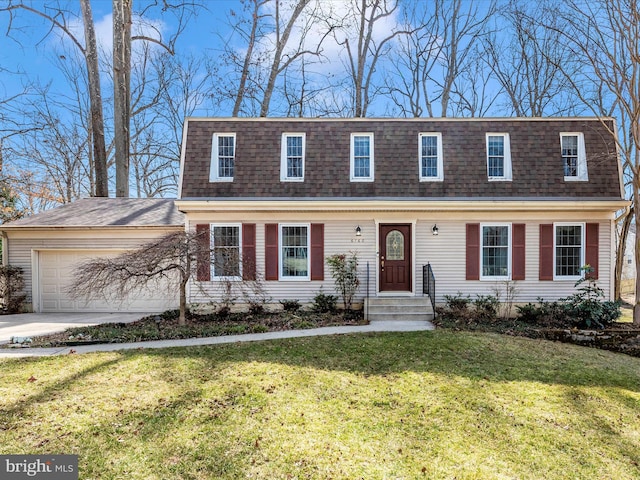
(5, 249)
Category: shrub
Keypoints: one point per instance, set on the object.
(344, 270)
(485, 308)
(584, 309)
(587, 308)
(291, 306)
(457, 304)
(12, 296)
(324, 303)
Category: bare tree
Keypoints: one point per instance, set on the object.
(439, 49)
(365, 45)
(527, 62)
(170, 259)
(272, 36)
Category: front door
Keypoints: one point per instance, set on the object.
(395, 258)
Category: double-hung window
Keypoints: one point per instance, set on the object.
(223, 154)
(294, 249)
(574, 159)
(498, 156)
(292, 157)
(361, 157)
(496, 252)
(430, 155)
(569, 253)
(226, 254)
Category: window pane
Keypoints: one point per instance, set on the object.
(226, 251)
(429, 156)
(226, 154)
(294, 157)
(495, 251)
(570, 155)
(395, 245)
(496, 156)
(568, 250)
(295, 252)
(361, 156)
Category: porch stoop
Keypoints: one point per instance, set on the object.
(414, 309)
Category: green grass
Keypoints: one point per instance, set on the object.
(382, 406)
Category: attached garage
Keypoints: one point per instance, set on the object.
(49, 246)
(55, 273)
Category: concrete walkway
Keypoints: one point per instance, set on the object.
(393, 326)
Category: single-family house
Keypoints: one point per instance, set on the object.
(475, 205)
(431, 207)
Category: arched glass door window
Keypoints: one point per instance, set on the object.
(395, 245)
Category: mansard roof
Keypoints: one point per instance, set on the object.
(537, 167)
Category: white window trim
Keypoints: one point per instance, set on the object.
(215, 277)
(371, 176)
(440, 163)
(283, 157)
(213, 170)
(509, 252)
(573, 278)
(583, 174)
(281, 275)
(507, 177)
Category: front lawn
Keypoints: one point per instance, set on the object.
(427, 405)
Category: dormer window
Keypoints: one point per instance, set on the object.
(430, 155)
(292, 153)
(498, 156)
(223, 154)
(361, 157)
(574, 158)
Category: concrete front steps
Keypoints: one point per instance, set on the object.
(398, 309)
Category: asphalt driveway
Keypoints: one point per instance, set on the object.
(32, 324)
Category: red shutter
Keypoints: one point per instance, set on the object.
(546, 252)
(248, 251)
(203, 257)
(317, 251)
(592, 250)
(271, 251)
(518, 251)
(473, 251)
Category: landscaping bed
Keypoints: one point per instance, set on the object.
(621, 337)
(166, 327)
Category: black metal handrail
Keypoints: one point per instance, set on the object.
(429, 285)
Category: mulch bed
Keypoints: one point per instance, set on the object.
(166, 327)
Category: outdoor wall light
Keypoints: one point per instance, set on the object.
(358, 231)
(434, 229)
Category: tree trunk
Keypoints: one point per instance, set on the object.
(95, 102)
(182, 319)
(620, 249)
(122, 92)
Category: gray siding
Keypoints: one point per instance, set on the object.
(445, 252)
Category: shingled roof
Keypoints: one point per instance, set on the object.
(106, 212)
(535, 153)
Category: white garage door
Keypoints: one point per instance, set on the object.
(56, 273)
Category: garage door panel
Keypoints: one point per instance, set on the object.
(56, 274)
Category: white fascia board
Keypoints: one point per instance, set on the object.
(298, 205)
